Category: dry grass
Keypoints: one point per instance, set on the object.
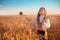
(21, 27)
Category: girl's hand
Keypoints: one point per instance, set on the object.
(44, 26)
(40, 26)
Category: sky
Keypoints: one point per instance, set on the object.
(13, 7)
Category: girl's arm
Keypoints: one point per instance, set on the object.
(47, 24)
(36, 25)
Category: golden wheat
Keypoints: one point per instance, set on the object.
(22, 27)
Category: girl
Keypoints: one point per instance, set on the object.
(42, 23)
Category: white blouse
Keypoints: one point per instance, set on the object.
(44, 25)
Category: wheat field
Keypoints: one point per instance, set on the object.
(22, 27)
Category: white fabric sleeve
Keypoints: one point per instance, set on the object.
(47, 24)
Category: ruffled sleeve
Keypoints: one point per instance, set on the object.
(47, 24)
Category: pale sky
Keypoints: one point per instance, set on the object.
(13, 7)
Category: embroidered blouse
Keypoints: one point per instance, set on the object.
(44, 25)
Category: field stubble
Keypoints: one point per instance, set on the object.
(22, 27)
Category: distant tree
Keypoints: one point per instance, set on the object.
(21, 13)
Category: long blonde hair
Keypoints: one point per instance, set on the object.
(40, 14)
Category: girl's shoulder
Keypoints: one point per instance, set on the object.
(47, 17)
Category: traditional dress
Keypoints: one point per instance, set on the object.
(42, 27)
